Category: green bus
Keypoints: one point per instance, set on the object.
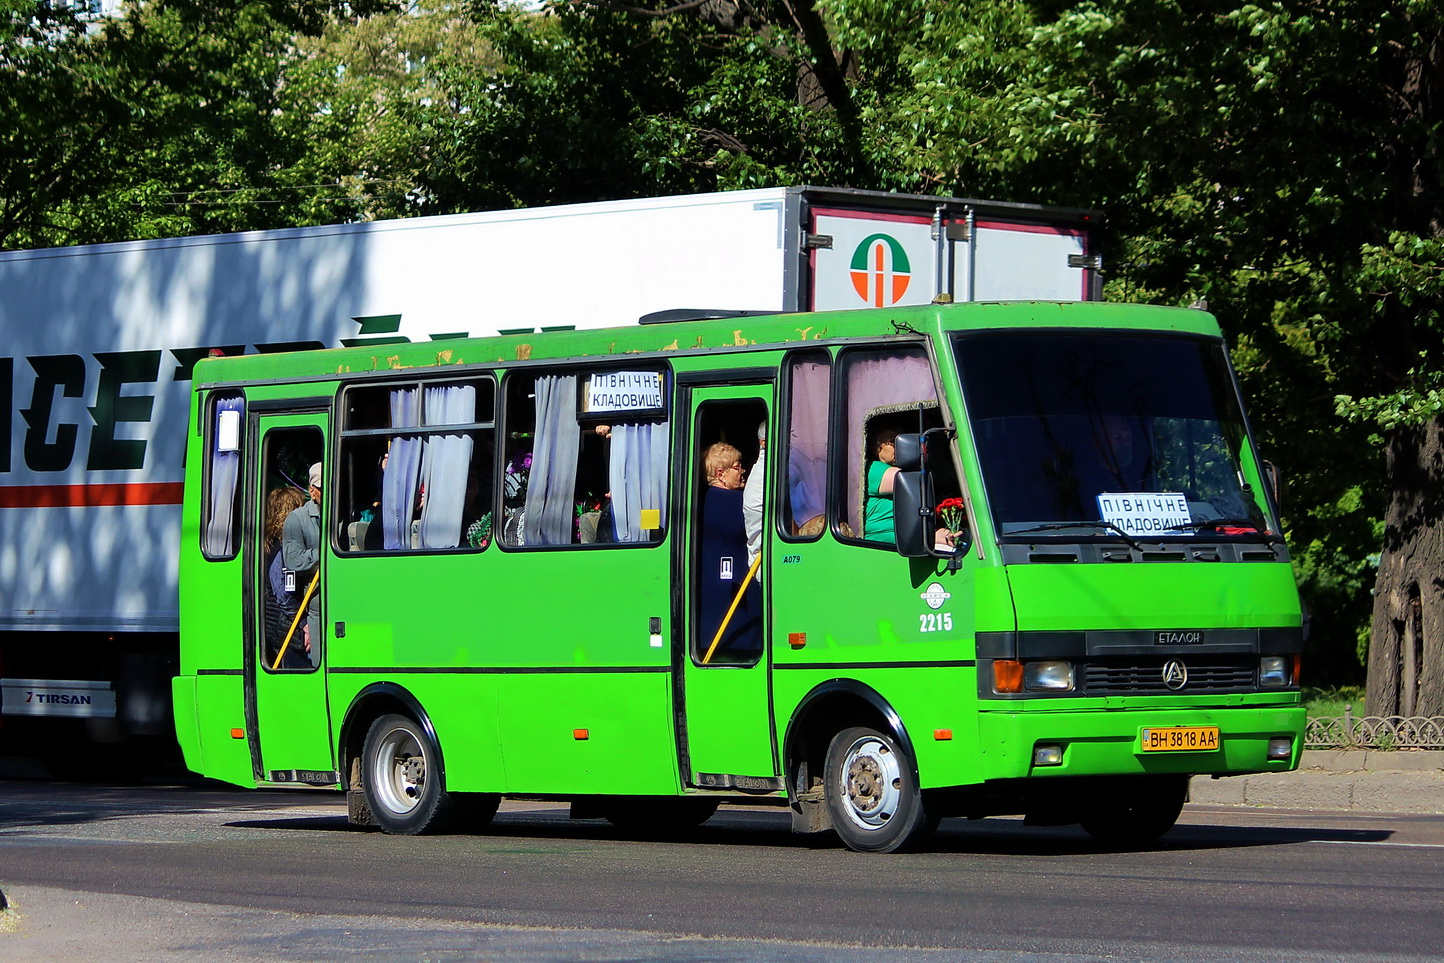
(989, 559)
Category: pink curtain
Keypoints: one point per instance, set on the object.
(879, 382)
(807, 441)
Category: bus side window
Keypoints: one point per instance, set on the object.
(804, 502)
(220, 537)
(573, 478)
(416, 466)
(883, 393)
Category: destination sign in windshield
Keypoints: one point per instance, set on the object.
(1144, 513)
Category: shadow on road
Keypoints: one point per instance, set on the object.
(771, 828)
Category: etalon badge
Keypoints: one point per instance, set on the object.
(1175, 674)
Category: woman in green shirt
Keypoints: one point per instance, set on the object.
(877, 519)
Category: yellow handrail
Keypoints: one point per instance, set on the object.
(300, 614)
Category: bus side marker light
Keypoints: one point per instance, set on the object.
(581, 734)
(943, 735)
(797, 639)
(1047, 754)
(1280, 747)
(1007, 675)
(238, 733)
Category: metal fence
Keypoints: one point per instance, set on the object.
(1349, 731)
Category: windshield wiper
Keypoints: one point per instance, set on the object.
(1093, 523)
(1214, 524)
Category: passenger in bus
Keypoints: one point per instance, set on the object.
(877, 518)
(752, 499)
(373, 535)
(1112, 455)
(280, 604)
(514, 485)
(723, 560)
(301, 553)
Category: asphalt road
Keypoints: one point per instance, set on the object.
(173, 872)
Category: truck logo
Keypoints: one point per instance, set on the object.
(1175, 674)
(880, 270)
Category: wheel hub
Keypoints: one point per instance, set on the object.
(412, 773)
(872, 781)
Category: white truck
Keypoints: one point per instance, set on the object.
(100, 341)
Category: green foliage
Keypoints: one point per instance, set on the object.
(1278, 159)
(1329, 701)
(595, 101)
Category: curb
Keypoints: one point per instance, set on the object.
(1366, 760)
(1341, 780)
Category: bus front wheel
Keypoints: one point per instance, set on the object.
(1140, 811)
(401, 777)
(872, 793)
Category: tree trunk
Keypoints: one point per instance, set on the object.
(1406, 650)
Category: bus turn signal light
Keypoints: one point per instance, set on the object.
(1007, 675)
(581, 734)
(238, 733)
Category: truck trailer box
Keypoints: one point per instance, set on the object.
(101, 339)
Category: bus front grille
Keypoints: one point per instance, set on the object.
(1147, 677)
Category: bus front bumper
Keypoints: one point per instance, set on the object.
(1140, 741)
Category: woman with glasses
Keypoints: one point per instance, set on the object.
(723, 560)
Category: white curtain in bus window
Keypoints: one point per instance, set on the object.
(549, 507)
(807, 446)
(445, 461)
(403, 467)
(225, 476)
(877, 383)
(638, 478)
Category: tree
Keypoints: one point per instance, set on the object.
(601, 100)
(1277, 159)
(174, 118)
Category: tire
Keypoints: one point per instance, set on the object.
(870, 783)
(1143, 810)
(402, 778)
(658, 817)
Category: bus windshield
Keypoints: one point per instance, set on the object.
(1139, 436)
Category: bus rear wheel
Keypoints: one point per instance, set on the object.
(1143, 810)
(401, 776)
(872, 793)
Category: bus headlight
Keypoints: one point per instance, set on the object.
(1053, 675)
(1273, 670)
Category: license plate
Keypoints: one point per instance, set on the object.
(1180, 739)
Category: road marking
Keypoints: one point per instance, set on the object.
(1365, 842)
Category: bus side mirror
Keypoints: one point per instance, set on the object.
(911, 497)
(907, 452)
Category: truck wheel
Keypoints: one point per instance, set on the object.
(401, 776)
(872, 793)
(1142, 811)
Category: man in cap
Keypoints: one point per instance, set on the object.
(301, 555)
